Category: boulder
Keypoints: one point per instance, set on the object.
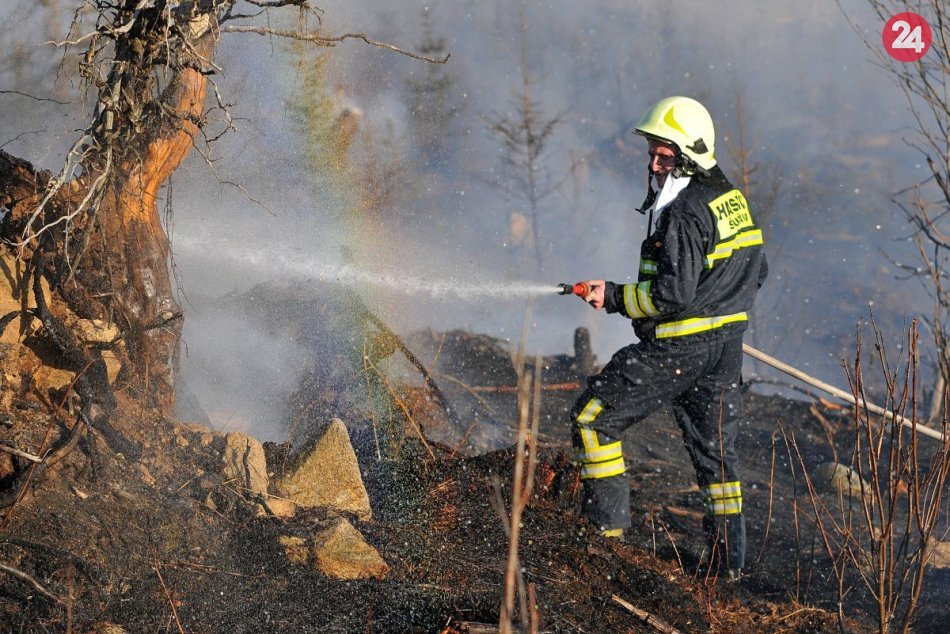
(16, 295)
(326, 474)
(280, 507)
(296, 549)
(244, 463)
(832, 477)
(340, 552)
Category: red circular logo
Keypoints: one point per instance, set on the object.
(907, 37)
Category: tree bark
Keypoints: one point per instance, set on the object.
(135, 250)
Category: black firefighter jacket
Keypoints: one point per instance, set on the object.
(699, 270)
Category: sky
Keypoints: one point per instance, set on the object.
(819, 115)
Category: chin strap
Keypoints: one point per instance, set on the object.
(648, 201)
(651, 195)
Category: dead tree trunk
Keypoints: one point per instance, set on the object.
(128, 254)
(133, 247)
(97, 222)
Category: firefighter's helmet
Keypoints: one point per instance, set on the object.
(685, 123)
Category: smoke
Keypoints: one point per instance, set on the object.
(815, 110)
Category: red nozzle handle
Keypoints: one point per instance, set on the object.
(581, 289)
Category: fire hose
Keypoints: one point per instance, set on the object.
(582, 289)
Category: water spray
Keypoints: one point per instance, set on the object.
(581, 289)
(285, 264)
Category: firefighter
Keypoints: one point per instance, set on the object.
(700, 267)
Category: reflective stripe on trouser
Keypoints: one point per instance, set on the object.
(722, 498)
(596, 459)
(702, 383)
(605, 489)
(708, 416)
(724, 525)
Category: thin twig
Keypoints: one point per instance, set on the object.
(21, 454)
(168, 596)
(22, 576)
(650, 619)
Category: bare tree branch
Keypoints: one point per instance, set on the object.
(34, 97)
(324, 40)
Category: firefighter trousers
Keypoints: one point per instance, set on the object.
(701, 382)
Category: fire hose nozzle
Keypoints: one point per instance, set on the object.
(580, 289)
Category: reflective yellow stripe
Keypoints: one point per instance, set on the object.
(723, 498)
(648, 267)
(602, 469)
(590, 412)
(612, 532)
(636, 299)
(696, 324)
(630, 301)
(726, 507)
(643, 298)
(724, 249)
(589, 438)
(599, 453)
(596, 460)
(724, 490)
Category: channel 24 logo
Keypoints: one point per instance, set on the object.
(907, 37)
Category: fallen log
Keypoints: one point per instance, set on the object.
(821, 385)
(550, 387)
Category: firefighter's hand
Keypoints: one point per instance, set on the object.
(596, 295)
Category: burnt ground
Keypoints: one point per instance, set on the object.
(133, 542)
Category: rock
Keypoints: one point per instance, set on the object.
(341, 552)
(96, 331)
(147, 476)
(296, 549)
(16, 295)
(49, 378)
(244, 463)
(281, 508)
(105, 627)
(113, 365)
(327, 474)
(831, 477)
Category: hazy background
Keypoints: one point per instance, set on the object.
(825, 127)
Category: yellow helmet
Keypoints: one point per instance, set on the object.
(685, 123)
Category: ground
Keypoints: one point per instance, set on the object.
(135, 543)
